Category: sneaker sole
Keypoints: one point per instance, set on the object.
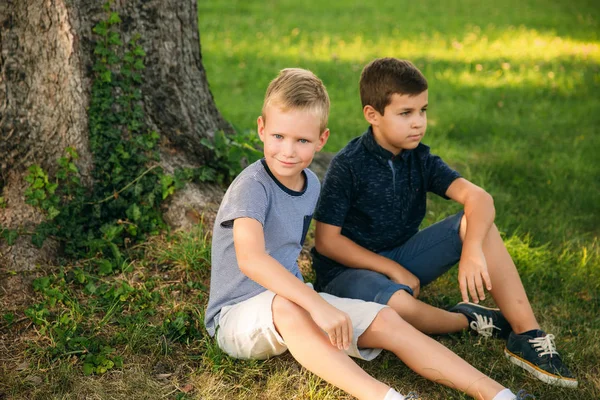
(542, 375)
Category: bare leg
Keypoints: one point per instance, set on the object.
(425, 317)
(312, 350)
(507, 289)
(427, 357)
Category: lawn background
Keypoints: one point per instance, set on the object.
(513, 106)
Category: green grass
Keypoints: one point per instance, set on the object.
(513, 106)
(513, 88)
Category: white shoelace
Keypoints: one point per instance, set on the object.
(483, 325)
(544, 345)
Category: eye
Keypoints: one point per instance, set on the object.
(405, 113)
(277, 136)
(424, 110)
(303, 141)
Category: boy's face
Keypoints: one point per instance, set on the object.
(290, 139)
(403, 123)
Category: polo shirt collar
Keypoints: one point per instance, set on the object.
(382, 155)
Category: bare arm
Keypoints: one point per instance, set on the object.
(330, 242)
(480, 214)
(255, 263)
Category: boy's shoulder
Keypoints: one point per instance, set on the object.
(251, 176)
(351, 154)
(352, 149)
(356, 150)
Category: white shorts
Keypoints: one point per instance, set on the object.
(246, 330)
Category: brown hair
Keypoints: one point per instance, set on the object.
(383, 77)
(298, 89)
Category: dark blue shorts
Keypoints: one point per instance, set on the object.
(428, 255)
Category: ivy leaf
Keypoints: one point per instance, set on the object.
(105, 267)
(101, 28)
(38, 240)
(53, 212)
(10, 235)
(41, 283)
(115, 39)
(139, 64)
(91, 288)
(139, 51)
(106, 76)
(135, 212)
(114, 18)
(88, 369)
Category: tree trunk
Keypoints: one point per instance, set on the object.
(46, 49)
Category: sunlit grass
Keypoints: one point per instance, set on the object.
(517, 44)
(513, 88)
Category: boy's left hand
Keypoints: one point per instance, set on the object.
(473, 275)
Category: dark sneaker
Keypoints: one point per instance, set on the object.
(483, 320)
(538, 356)
(523, 395)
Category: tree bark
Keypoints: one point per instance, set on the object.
(46, 50)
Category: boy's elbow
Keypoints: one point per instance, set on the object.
(488, 200)
(245, 264)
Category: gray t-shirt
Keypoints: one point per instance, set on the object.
(285, 216)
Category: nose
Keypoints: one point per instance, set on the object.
(288, 148)
(419, 121)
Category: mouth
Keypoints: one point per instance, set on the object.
(287, 164)
(418, 136)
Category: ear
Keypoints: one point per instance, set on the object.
(322, 139)
(371, 115)
(261, 128)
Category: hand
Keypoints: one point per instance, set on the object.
(401, 275)
(473, 274)
(337, 324)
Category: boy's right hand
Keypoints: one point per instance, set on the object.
(337, 324)
(401, 275)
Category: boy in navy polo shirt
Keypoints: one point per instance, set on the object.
(368, 245)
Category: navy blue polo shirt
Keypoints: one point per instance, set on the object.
(377, 198)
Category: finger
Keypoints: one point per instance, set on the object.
(339, 337)
(487, 280)
(473, 290)
(463, 288)
(345, 334)
(332, 338)
(479, 285)
(350, 332)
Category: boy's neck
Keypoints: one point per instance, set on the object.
(295, 183)
(395, 152)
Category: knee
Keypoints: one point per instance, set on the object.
(403, 303)
(286, 313)
(388, 320)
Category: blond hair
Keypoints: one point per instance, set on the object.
(300, 89)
